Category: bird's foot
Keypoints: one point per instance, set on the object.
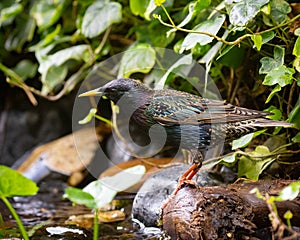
(186, 178)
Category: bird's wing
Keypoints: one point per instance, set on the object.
(194, 110)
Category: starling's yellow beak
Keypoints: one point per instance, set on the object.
(92, 93)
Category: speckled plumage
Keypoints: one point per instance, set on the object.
(190, 120)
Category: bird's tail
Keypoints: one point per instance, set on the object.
(264, 122)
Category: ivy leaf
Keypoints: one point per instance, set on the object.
(46, 13)
(140, 57)
(200, 5)
(276, 89)
(296, 65)
(186, 20)
(8, 14)
(245, 140)
(257, 40)
(232, 56)
(244, 11)
(22, 32)
(26, 69)
(251, 166)
(296, 139)
(294, 116)
(277, 114)
(229, 159)
(14, 184)
(296, 50)
(281, 75)
(54, 76)
(242, 141)
(267, 36)
(138, 7)
(210, 26)
(99, 16)
(150, 8)
(186, 60)
(268, 64)
(297, 32)
(52, 67)
(279, 10)
(154, 33)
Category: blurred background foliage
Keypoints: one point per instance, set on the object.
(251, 49)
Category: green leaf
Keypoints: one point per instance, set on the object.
(140, 57)
(201, 5)
(281, 75)
(186, 20)
(296, 65)
(244, 11)
(99, 16)
(101, 192)
(279, 10)
(276, 89)
(251, 167)
(268, 64)
(79, 196)
(229, 159)
(297, 32)
(10, 12)
(154, 34)
(138, 7)
(186, 60)
(105, 189)
(296, 139)
(48, 39)
(22, 32)
(14, 184)
(150, 8)
(209, 26)
(26, 69)
(51, 66)
(277, 114)
(289, 192)
(257, 40)
(232, 56)
(296, 50)
(54, 76)
(294, 116)
(46, 13)
(242, 141)
(267, 36)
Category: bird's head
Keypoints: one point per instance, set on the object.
(117, 88)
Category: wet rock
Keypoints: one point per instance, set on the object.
(154, 192)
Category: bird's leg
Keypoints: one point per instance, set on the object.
(196, 158)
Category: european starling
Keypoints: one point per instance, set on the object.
(193, 122)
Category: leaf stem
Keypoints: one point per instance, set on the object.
(237, 41)
(16, 217)
(96, 226)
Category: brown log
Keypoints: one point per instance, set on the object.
(223, 212)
